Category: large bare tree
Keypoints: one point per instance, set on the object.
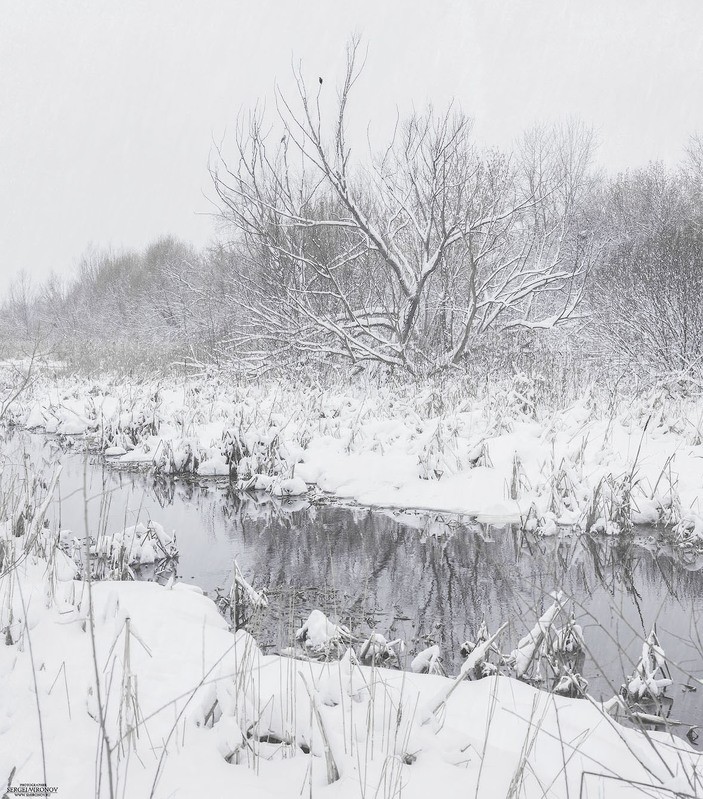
(405, 256)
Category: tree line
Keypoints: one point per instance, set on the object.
(418, 257)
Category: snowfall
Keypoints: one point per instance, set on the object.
(123, 688)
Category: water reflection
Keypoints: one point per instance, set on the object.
(427, 578)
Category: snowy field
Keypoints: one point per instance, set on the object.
(124, 688)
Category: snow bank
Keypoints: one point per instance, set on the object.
(595, 464)
(195, 710)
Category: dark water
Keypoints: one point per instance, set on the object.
(421, 577)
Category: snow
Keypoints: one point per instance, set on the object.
(214, 466)
(141, 543)
(35, 418)
(439, 448)
(113, 452)
(690, 528)
(320, 634)
(197, 707)
(427, 661)
(190, 708)
(290, 487)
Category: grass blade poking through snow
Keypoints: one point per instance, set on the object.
(332, 770)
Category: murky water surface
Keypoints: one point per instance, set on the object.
(421, 577)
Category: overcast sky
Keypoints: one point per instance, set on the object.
(108, 109)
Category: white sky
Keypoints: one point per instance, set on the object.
(108, 108)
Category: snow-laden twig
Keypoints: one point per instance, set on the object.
(258, 599)
(651, 673)
(475, 657)
(527, 647)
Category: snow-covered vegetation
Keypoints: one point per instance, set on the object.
(133, 688)
(174, 699)
(601, 464)
(502, 335)
(429, 253)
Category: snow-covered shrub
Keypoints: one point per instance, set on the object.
(255, 453)
(540, 523)
(610, 510)
(378, 651)
(178, 457)
(428, 661)
(651, 676)
(116, 556)
(516, 402)
(689, 531)
(321, 637)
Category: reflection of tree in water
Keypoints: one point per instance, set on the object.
(433, 578)
(372, 565)
(423, 577)
(426, 578)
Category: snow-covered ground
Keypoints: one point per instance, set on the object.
(134, 689)
(497, 455)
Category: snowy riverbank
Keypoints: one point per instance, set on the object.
(187, 708)
(501, 455)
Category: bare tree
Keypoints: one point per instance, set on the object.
(151, 304)
(405, 257)
(645, 298)
(19, 307)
